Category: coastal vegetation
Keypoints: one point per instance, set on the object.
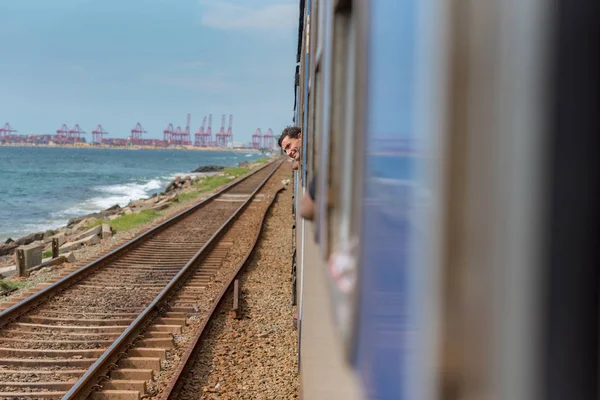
(210, 183)
(8, 284)
(130, 221)
(236, 172)
(203, 185)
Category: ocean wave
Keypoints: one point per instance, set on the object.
(70, 212)
(109, 195)
(15, 232)
(122, 194)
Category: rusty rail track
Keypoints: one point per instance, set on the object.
(139, 268)
(194, 348)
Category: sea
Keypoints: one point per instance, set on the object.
(42, 187)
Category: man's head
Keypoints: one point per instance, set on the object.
(291, 141)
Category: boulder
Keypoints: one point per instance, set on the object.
(209, 168)
(30, 238)
(98, 215)
(61, 236)
(113, 209)
(87, 241)
(83, 224)
(105, 213)
(137, 204)
(173, 197)
(172, 186)
(127, 211)
(48, 234)
(76, 220)
(8, 241)
(69, 256)
(8, 248)
(159, 207)
(244, 164)
(97, 230)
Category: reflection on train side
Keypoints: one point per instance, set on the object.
(390, 225)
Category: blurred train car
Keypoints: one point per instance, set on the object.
(454, 253)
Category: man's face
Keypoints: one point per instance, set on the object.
(292, 147)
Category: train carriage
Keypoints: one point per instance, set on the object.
(431, 129)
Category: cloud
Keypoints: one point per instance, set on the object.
(229, 15)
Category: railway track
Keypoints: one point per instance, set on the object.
(104, 329)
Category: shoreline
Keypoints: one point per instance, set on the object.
(184, 193)
(58, 225)
(105, 147)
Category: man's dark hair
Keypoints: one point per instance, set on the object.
(292, 131)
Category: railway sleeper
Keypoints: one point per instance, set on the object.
(116, 395)
(87, 314)
(76, 321)
(32, 395)
(50, 353)
(67, 373)
(133, 374)
(126, 384)
(91, 336)
(29, 327)
(166, 343)
(152, 363)
(49, 385)
(47, 362)
(175, 329)
(91, 342)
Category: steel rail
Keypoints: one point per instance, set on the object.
(186, 361)
(86, 383)
(10, 314)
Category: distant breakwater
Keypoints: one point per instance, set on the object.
(134, 147)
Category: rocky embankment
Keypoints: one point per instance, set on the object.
(90, 229)
(78, 226)
(210, 168)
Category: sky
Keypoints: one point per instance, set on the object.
(116, 63)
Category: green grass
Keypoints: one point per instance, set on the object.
(95, 223)
(262, 160)
(47, 253)
(6, 284)
(236, 172)
(210, 183)
(187, 196)
(130, 221)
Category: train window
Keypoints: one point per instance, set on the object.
(311, 133)
(313, 123)
(321, 83)
(349, 144)
(339, 185)
(305, 92)
(341, 141)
